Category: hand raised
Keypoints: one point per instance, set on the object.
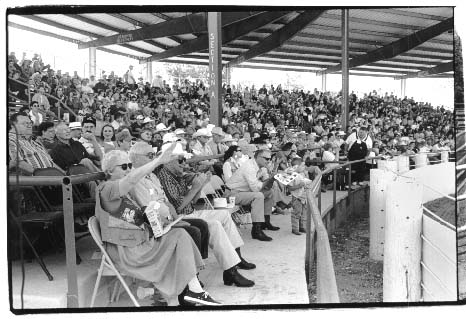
(166, 155)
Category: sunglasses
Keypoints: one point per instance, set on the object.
(181, 160)
(266, 158)
(125, 166)
(150, 155)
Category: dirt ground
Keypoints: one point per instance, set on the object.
(359, 279)
(444, 208)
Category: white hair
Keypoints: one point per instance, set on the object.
(111, 158)
(138, 148)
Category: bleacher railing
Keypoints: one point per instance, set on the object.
(67, 183)
(54, 98)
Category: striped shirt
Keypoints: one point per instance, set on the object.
(29, 151)
(175, 189)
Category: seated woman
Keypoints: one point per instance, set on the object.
(108, 138)
(172, 261)
(231, 158)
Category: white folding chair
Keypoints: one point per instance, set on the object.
(107, 267)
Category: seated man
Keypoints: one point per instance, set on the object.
(249, 186)
(224, 236)
(23, 151)
(69, 152)
(88, 139)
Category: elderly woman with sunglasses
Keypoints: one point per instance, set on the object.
(172, 261)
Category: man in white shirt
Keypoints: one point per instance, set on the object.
(88, 139)
(250, 185)
(354, 136)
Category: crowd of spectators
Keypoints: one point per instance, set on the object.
(263, 131)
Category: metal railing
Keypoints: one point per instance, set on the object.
(54, 98)
(68, 215)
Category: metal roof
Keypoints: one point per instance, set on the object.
(395, 42)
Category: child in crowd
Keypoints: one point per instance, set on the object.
(297, 188)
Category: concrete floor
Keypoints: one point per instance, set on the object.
(279, 276)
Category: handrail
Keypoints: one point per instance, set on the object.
(54, 180)
(50, 96)
(327, 291)
(68, 220)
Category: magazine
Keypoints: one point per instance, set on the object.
(286, 178)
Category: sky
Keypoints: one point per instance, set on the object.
(66, 56)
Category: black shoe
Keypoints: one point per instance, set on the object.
(302, 230)
(243, 263)
(246, 265)
(202, 298)
(267, 225)
(233, 277)
(257, 232)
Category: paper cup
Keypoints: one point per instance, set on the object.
(231, 200)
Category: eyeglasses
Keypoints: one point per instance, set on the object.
(125, 166)
(266, 158)
(150, 155)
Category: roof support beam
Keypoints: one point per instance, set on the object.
(277, 38)
(108, 27)
(139, 24)
(400, 46)
(193, 23)
(63, 38)
(441, 68)
(229, 33)
(87, 33)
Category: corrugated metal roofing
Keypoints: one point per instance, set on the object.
(315, 47)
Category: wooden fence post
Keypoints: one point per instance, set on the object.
(420, 160)
(402, 248)
(378, 186)
(403, 164)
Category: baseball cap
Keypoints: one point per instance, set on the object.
(88, 119)
(75, 126)
(147, 120)
(140, 117)
(160, 127)
(170, 137)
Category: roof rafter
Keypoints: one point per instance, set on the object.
(109, 27)
(193, 23)
(229, 33)
(438, 69)
(86, 33)
(141, 25)
(63, 38)
(277, 38)
(400, 46)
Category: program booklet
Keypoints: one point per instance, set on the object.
(286, 178)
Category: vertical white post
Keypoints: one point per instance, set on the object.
(403, 88)
(420, 160)
(377, 199)
(92, 61)
(149, 72)
(324, 82)
(402, 249)
(388, 165)
(444, 156)
(403, 164)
